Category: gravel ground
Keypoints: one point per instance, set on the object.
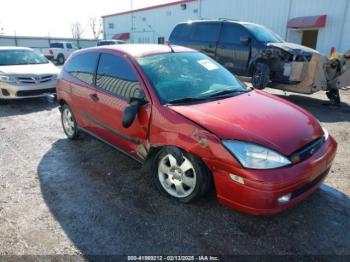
(84, 198)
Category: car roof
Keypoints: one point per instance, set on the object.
(14, 48)
(139, 50)
(110, 40)
(218, 20)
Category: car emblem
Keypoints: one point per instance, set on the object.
(36, 79)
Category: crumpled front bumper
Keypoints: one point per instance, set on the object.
(261, 197)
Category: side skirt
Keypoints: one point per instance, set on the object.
(117, 148)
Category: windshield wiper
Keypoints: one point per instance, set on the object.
(186, 100)
(229, 92)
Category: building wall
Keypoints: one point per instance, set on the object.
(270, 13)
(344, 38)
(274, 14)
(151, 23)
(329, 36)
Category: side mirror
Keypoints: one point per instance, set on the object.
(130, 111)
(245, 40)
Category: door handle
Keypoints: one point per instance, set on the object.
(94, 97)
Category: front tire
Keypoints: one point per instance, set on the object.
(261, 76)
(334, 96)
(69, 124)
(180, 175)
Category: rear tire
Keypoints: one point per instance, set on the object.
(261, 76)
(180, 175)
(69, 124)
(60, 59)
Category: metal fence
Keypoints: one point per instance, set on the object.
(38, 43)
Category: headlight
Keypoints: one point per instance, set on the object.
(326, 134)
(7, 79)
(256, 157)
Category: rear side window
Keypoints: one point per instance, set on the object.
(69, 46)
(56, 45)
(206, 32)
(116, 76)
(82, 67)
(232, 33)
(181, 32)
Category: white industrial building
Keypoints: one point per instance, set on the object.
(322, 24)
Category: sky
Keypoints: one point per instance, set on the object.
(54, 18)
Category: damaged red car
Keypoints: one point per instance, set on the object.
(195, 126)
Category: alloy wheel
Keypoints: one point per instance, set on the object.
(178, 180)
(68, 122)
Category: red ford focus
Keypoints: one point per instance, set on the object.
(194, 125)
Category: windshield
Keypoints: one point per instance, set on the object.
(187, 75)
(20, 57)
(263, 34)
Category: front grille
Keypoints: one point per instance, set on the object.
(34, 79)
(307, 151)
(36, 92)
(309, 185)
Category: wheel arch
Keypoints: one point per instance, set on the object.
(176, 151)
(254, 62)
(173, 149)
(61, 103)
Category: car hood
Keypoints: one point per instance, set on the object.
(40, 69)
(294, 49)
(256, 117)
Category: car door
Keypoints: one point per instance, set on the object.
(81, 69)
(205, 36)
(117, 81)
(232, 52)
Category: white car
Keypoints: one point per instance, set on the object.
(25, 74)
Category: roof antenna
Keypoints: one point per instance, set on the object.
(169, 45)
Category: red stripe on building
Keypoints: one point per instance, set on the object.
(308, 22)
(150, 8)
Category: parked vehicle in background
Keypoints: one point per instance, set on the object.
(191, 121)
(25, 73)
(59, 51)
(243, 48)
(110, 42)
(252, 50)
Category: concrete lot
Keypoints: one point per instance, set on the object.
(64, 197)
